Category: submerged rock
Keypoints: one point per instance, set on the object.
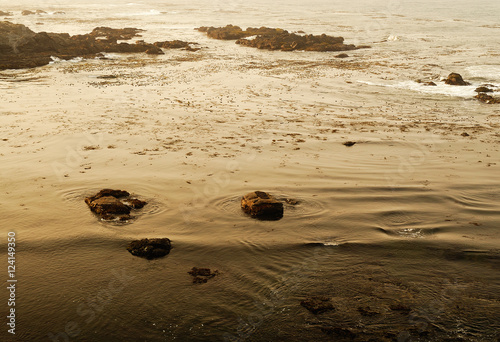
(483, 89)
(176, 44)
(487, 98)
(277, 39)
(426, 83)
(456, 79)
(150, 248)
(262, 205)
(202, 275)
(113, 204)
(318, 304)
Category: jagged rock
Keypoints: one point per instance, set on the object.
(150, 248)
(487, 98)
(483, 89)
(262, 205)
(317, 304)
(113, 204)
(455, 79)
(202, 275)
(22, 48)
(277, 39)
(5, 14)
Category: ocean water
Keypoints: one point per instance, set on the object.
(407, 216)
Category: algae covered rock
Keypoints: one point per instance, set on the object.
(111, 204)
(262, 205)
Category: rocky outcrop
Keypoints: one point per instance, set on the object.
(150, 248)
(22, 48)
(317, 304)
(5, 14)
(111, 204)
(262, 205)
(485, 98)
(202, 275)
(456, 79)
(277, 39)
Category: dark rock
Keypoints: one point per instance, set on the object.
(349, 143)
(342, 55)
(108, 205)
(175, 44)
(22, 48)
(465, 134)
(5, 14)
(339, 332)
(487, 98)
(277, 39)
(111, 204)
(317, 305)
(367, 311)
(26, 12)
(262, 205)
(150, 248)
(202, 275)
(483, 89)
(456, 79)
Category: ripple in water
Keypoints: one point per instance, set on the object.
(294, 207)
(76, 198)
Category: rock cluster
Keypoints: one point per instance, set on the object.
(277, 39)
(456, 79)
(22, 48)
(262, 205)
(111, 204)
(150, 248)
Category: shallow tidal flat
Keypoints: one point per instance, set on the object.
(408, 215)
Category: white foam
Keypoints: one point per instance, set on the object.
(491, 72)
(439, 89)
(56, 60)
(140, 14)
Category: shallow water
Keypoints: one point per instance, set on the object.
(409, 214)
